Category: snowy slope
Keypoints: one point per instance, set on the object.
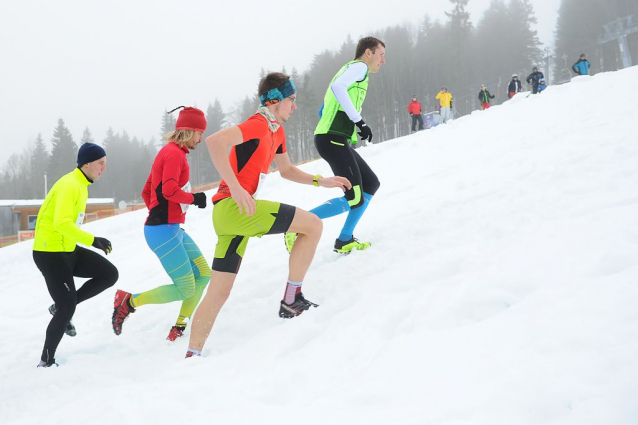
(501, 288)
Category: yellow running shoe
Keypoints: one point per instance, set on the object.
(342, 247)
(289, 240)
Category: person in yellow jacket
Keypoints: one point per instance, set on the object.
(57, 255)
(445, 97)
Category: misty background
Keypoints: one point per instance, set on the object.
(457, 47)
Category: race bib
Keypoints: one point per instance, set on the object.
(80, 219)
(262, 177)
(186, 188)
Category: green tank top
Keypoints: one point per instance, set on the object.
(334, 119)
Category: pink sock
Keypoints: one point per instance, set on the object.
(292, 289)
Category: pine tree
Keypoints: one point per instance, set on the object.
(38, 167)
(168, 124)
(215, 121)
(87, 137)
(457, 62)
(294, 133)
(389, 91)
(526, 51)
(10, 178)
(492, 53)
(215, 118)
(244, 109)
(143, 166)
(63, 153)
(430, 57)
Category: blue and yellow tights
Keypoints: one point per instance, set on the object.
(185, 265)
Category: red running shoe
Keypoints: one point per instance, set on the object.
(122, 308)
(176, 332)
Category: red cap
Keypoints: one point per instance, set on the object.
(191, 119)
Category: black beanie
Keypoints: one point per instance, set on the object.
(90, 152)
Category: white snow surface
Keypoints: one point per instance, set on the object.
(501, 288)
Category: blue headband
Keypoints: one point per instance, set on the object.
(278, 94)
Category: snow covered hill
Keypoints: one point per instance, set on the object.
(501, 288)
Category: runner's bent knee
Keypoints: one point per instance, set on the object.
(185, 286)
(306, 223)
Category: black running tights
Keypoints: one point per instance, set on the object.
(58, 269)
(346, 162)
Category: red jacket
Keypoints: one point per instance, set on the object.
(414, 107)
(164, 190)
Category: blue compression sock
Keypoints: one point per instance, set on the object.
(331, 208)
(353, 218)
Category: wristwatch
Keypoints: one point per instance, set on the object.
(315, 180)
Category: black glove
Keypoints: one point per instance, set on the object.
(365, 133)
(199, 199)
(103, 244)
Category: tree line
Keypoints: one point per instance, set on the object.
(453, 53)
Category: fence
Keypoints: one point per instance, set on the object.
(24, 235)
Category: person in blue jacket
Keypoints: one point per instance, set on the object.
(542, 85)
(582, 66)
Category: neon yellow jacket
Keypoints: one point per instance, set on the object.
(446, 99)
(57, 228)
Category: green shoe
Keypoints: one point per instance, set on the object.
(289, 240)
(342, 247)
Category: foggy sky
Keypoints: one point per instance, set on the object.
(123, 63)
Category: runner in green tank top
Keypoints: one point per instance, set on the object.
(335, 134)
(334, 119)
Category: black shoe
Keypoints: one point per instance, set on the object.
(70, 329)
(288, 311)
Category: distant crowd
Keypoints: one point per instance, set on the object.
(445, 109)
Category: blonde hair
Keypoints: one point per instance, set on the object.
(179, 136)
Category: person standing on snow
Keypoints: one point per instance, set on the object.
(445, 98)
(534, 79)
(167, 195)
(541, 85)
(57, 255)
(239, 215)
(514, 87)
(484, 97)
(335, 134)
(414, 109)
(582, 66)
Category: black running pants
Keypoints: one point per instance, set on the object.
(417, 118)
(58, 269)
(346, 162)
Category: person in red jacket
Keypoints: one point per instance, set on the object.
(414, 109)
(167, 195)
